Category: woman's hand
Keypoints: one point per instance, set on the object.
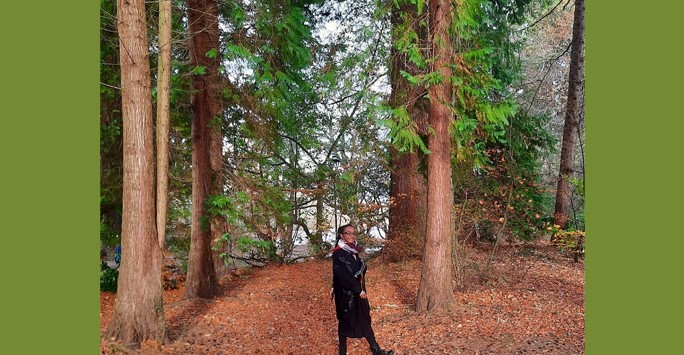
(363, 295)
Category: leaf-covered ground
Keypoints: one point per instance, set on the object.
(532, 302)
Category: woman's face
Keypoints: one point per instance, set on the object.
(349, 235)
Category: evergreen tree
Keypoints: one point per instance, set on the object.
(163, 112)
(203, 28)
(434, 290)
(138, 313)
(573, 113)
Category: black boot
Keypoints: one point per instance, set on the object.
(377, 350)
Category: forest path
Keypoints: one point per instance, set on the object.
(532, 305)
(282, 309)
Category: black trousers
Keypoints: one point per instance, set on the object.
(370, 338)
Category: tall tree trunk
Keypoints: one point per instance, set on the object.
(405, 235)
(572, 114)
(201, 279)
(402, 212)
(138, 312)
(163, 112)
(434, 290)
(219, 225)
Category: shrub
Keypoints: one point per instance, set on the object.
(569, 241)
(109, 278)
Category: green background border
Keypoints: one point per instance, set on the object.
(50, 186)
(634, 189)
(50, 183)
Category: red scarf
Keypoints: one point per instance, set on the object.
(352, 248)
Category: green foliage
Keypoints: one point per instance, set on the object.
(403, 131)
(578, 185)
(487, 64)
(224, 207)
(419, 4)
(283, 126)
(410, 78)
(407, 40)
(290, 100)
(498, 147)
(109, 278)
(508, 181)
(111, 131)
(249, 247)
(527, 208)
(111, 157)
(247, 244)
(246, 215)
(577, 215)
(199, 70)
(211, 53)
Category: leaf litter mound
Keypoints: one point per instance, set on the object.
(530, 302)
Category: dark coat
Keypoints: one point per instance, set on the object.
(353, 312)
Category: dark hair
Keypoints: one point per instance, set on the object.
(341, 230)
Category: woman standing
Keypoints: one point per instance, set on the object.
(349, 289)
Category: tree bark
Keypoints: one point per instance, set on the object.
(403, 231)
(421, 206)
(163, 112)
(403, 210)
(572, 115)
(201, 279)
(435, 290)
(138, 312)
